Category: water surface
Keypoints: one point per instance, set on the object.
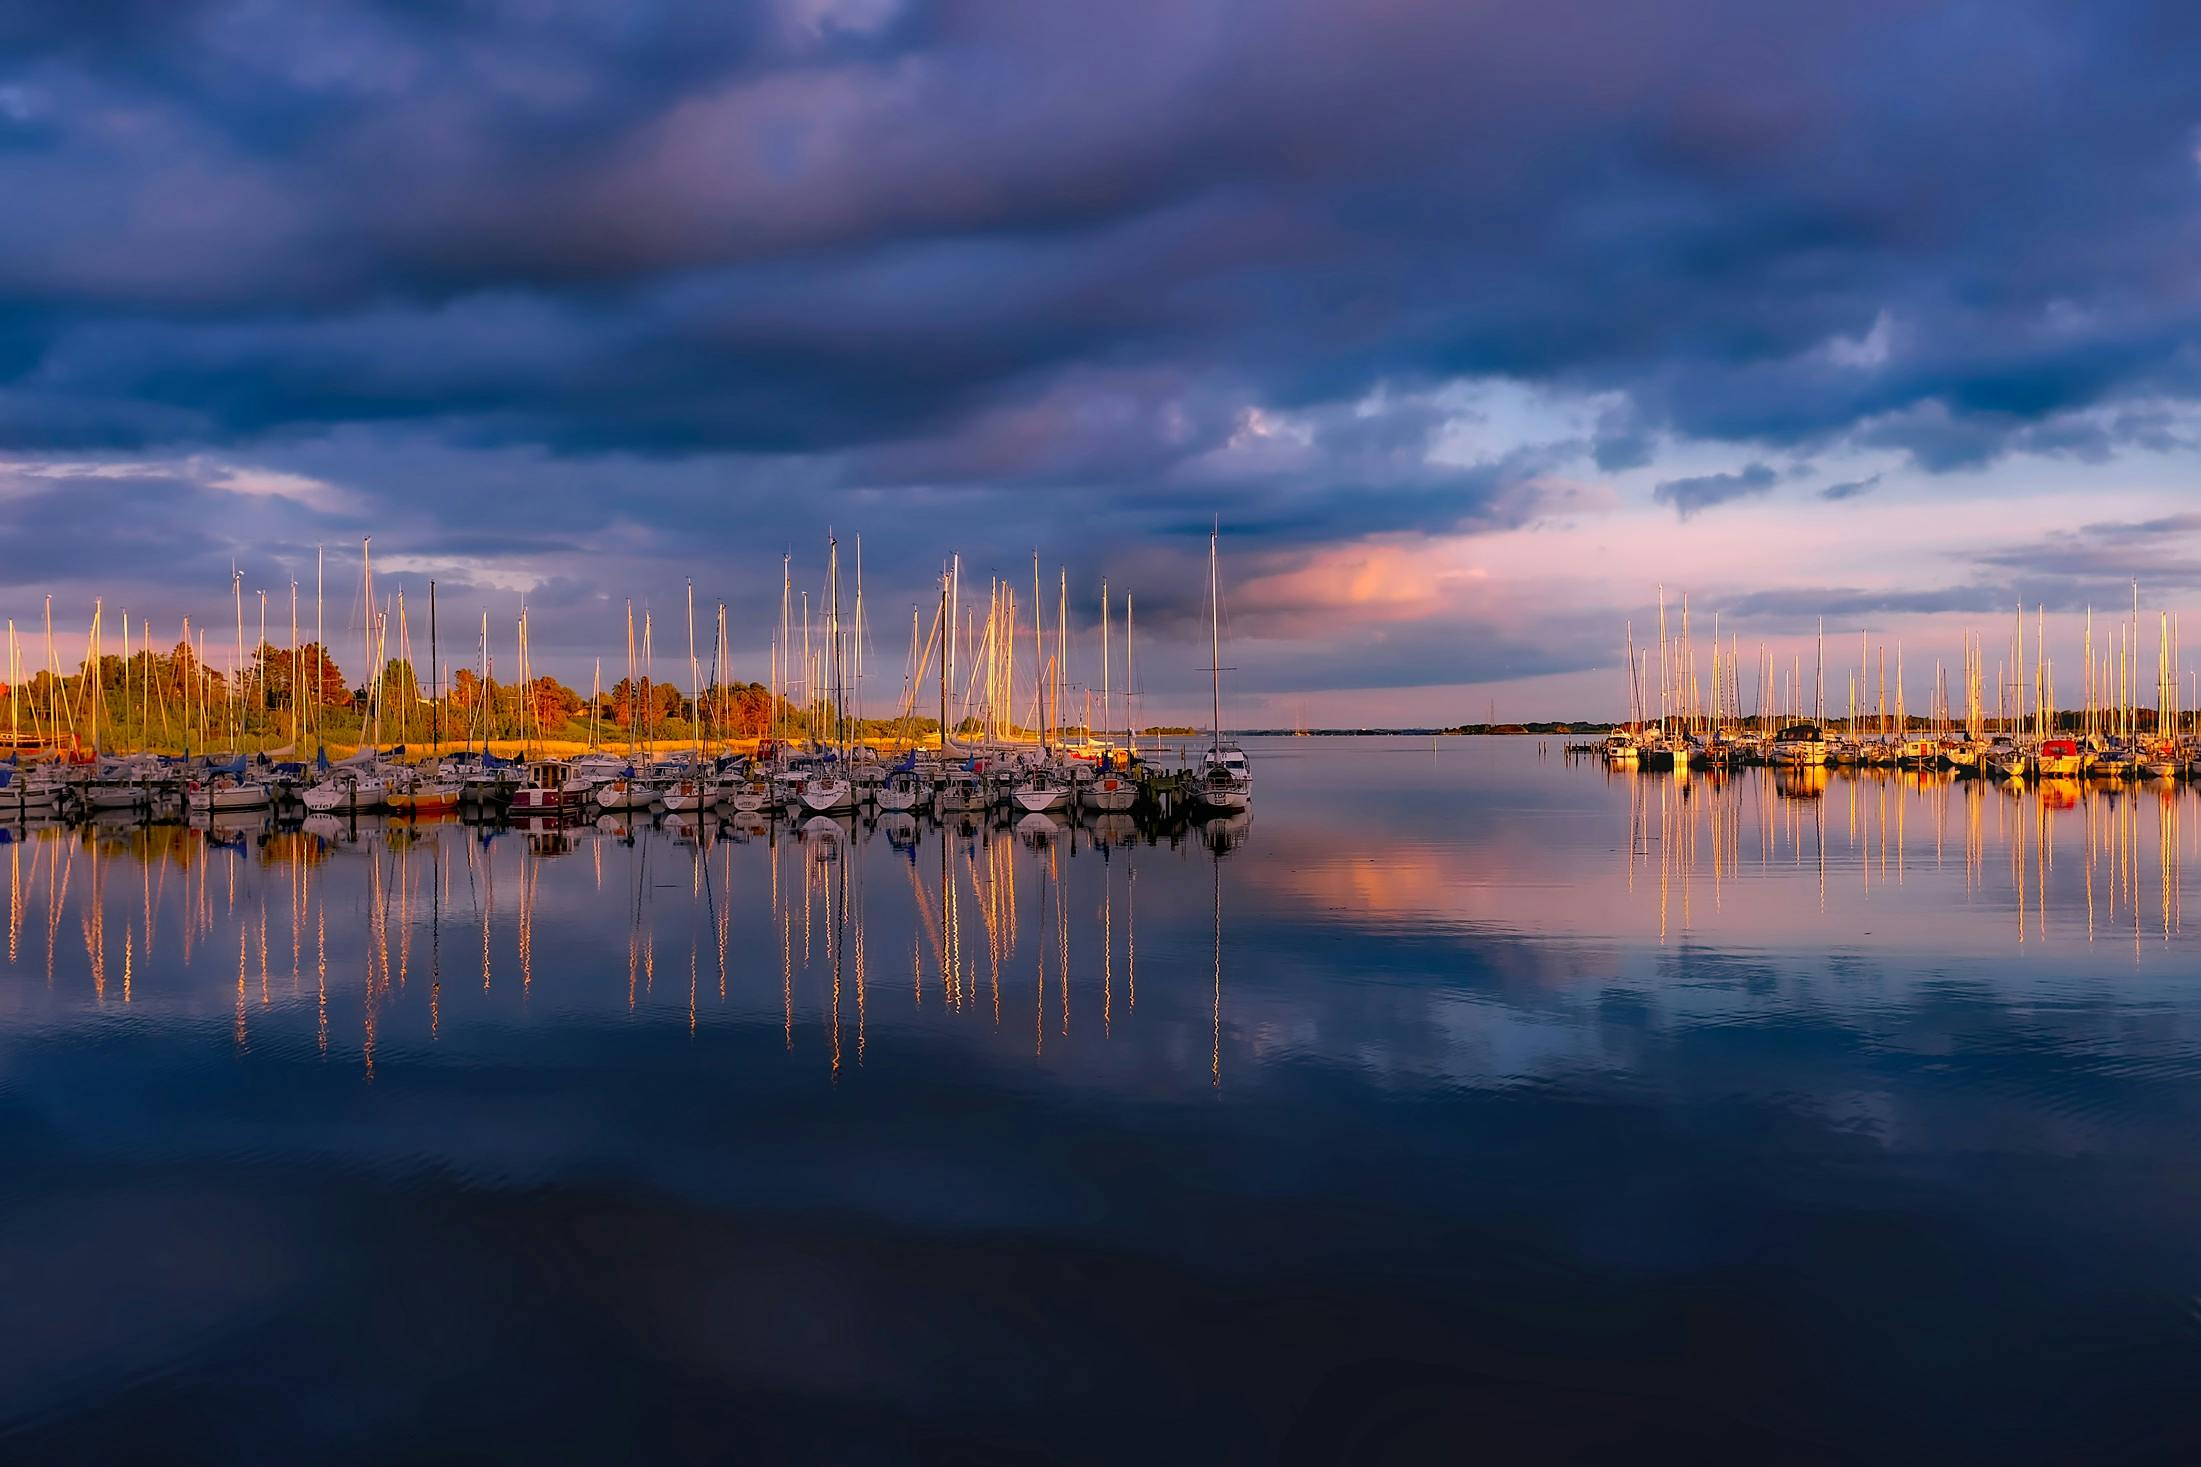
(1461, 1101)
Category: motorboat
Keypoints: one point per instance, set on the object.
(2057, 759)
(1225, 778)
(1804, 745)
(544, 790)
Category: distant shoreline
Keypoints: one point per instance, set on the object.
(1544, 730)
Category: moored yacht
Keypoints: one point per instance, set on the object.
(544, 790)
(1801, 745)
(1041, 790)
(1225, 774)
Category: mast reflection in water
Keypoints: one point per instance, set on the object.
(1464, 1095)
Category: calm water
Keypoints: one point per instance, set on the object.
(1461, 1103)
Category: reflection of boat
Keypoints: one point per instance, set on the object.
(1040, 827)
(900, 829)
(1113, 829)
(1800, 781)
(821, 836)
(230, 822)
(323, 827)
(1228, 832)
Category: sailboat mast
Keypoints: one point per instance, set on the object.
(366, 600)
(237, 671)
(695, 691)
(1107, 708)
(1130, 682)
(1214, 641)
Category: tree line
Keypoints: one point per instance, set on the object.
(175, 699)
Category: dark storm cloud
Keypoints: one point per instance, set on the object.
(1851, 488)
(2104, 558)
(1798, 608)
(809, 225)
(1689, 496)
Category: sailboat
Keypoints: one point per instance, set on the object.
(825, 789)
(1113, 790)
(1226, 777)
(225, 787)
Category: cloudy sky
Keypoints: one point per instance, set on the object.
(1473, 322)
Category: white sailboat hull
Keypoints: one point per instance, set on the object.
(826, 796)
(236, 797)
(324, 799)
(894, 800)
(1113, 794)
